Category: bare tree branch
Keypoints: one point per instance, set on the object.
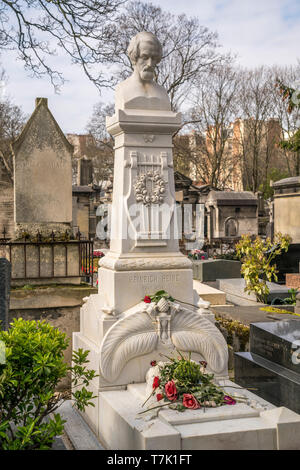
(83, 30)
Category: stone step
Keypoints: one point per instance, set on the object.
(209, 294)
(274, 383)
(78, 432)
(277, 342)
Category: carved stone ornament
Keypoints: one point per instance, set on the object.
(141, 333)
(146, 196)
(149, 138)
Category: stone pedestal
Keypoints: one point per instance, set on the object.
(144, 256)
(122, 333)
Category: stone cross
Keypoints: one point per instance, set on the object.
(5, 272)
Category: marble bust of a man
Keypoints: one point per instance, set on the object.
(140, 91)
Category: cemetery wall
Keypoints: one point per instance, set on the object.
(293, 281)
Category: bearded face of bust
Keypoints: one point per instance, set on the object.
(149, 56)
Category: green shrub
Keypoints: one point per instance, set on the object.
(33, 367)
(256, 257)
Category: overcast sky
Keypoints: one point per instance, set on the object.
(259, 31)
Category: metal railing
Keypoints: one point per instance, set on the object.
(82, 247)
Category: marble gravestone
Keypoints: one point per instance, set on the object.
(123, 333)
(273, 364)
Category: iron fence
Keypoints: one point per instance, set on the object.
(80, 249)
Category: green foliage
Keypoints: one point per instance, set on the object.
(228, 256)
(187, 371)
(289, 95)
(190, 378)
(235, 328)
(293, 144)
(271, 309)
(292, 98)
(273, 175)
(34, 365)
(291, 300)
(161, 294)
(256, 257)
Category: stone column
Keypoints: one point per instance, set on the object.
(144, 256)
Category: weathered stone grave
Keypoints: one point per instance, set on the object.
(43, 204)
(273, 364)
(5, 272)
(43, 174)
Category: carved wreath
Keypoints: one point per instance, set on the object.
(145, 196)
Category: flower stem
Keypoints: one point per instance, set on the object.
(155, 407)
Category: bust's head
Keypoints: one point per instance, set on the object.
(145, 52)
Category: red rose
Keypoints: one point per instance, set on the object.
(229, 401)
(159, 396)
(189, 401)
(171, 390)
(156, 382)
(202, 257)
(153, 363)
(147, 299)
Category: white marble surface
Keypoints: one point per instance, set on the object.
(237, 427)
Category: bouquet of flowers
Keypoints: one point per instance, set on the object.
(197, 255)
(184, 384)
(98, 254)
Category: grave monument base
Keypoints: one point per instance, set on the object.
(257, 425)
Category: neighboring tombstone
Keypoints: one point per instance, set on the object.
(272, 366)
(232, 214)
(86, 172)
(287, 206)
(43, 175)
(5, 271)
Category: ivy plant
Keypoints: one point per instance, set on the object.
(257, 262)
(34, 365)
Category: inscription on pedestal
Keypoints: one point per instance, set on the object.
(150, 283)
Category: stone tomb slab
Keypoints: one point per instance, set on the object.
(252, 426)
(272, 382)
(235, 291)
(209, 294)
(273, 363)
